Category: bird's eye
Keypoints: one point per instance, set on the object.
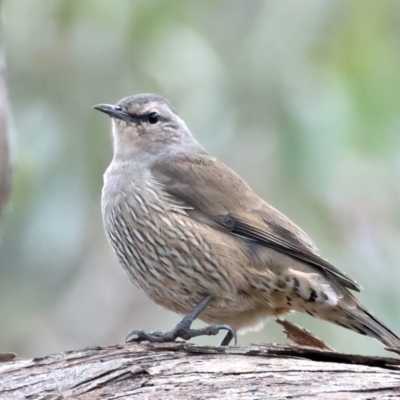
(152, 118)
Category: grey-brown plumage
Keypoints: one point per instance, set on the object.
(186, 227)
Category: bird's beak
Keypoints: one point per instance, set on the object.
(112, 111)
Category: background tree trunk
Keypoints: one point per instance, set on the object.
(5, 168)
(184, 371)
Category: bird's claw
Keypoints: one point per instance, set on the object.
(213, 330)
(137, 336)
(181, 332)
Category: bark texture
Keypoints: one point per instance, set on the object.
(184, 371)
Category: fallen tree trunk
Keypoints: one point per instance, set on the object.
(184, 371)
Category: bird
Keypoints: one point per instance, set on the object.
(198, 241)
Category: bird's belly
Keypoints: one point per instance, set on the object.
(177, 262)
(168, 261)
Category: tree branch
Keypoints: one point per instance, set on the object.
(184, 371)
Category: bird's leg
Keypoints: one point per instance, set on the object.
(183, 330)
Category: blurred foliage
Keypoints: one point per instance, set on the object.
(301, 98)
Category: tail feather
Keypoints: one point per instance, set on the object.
(363, 322)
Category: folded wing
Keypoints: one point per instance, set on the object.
(227, 203)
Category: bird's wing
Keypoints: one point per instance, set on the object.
(215, 195)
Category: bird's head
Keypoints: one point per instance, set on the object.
(146, 127)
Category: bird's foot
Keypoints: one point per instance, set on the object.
(182, 331)
(142, 336)
(228, 338)
(210, 330)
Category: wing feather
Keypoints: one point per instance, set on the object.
(215, 195)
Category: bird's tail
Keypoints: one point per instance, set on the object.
(358, 319)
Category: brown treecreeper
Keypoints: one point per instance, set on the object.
(198, 241)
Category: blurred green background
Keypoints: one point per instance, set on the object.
(302, 98)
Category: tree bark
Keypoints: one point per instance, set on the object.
(184, 371)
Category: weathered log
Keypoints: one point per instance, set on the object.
(185, 371)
